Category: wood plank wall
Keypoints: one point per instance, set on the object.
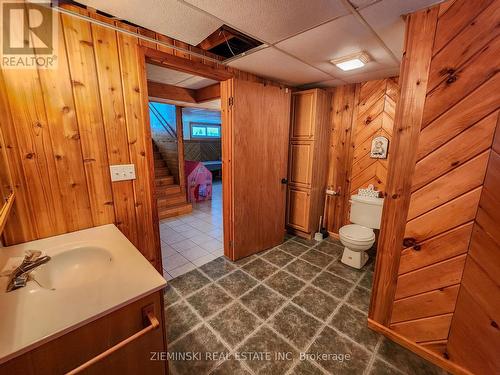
(68, 125)
(450, 195)
(64, 127)
(360, 113)
(452, 157)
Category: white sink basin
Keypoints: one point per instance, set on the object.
(91, 273)
(74, 267)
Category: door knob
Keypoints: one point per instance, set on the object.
(284, 181)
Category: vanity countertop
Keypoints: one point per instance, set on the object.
(92, 273)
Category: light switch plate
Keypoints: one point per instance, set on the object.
(122, 172)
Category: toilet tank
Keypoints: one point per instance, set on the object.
(366, 211)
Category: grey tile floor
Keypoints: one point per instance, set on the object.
(278, 312)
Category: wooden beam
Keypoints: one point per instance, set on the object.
(216, 72)
(215, 39)
(164, 91)
(420, 31)
(208, 93)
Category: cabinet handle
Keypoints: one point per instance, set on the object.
(284, 181)
(153, 324)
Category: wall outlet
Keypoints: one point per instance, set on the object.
(122, 172)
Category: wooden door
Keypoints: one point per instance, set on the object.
(303, 115)
(299, 204)
(255, 126)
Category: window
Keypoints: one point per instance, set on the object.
(203, 130)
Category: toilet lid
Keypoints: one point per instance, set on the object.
(357, 232)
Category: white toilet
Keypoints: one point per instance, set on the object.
(366, 213)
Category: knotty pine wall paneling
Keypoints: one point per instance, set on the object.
(360, 113)
(64, 128)
(443, 295)
(70, 125)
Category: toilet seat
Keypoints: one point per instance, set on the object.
(357, 233)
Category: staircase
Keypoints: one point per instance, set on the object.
(171, 197)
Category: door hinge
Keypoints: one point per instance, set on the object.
(230, 101)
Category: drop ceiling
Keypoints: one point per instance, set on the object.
(159, 74)
(299, 36)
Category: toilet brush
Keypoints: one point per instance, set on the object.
(318, 236)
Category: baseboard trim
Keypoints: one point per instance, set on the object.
(334, 235)
(418, 349)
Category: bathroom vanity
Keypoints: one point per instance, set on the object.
(95, 307)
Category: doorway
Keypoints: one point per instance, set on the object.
(254, 148)
(187, 148)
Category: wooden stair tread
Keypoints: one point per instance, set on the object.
(164, 180)
(170, 197)
(166, 190)
(171, 200)
(175, 210)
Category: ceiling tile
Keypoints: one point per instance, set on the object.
(271, 63)
(196, 83)
(168, 17)
(338, 38)
(163, 75)
(369, 76)
(272, 20)
(385, 18)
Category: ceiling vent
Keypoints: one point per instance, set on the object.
(227, 42)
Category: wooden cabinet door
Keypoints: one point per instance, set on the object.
(304, 104)
(299, 203)
(255, 130)
(301, 155)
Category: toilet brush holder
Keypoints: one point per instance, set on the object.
(318, 236)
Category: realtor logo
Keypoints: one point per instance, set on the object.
(29, 34)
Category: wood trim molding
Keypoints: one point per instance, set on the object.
(5, 210)
(217, 73)
(418, 349)
(420, 31)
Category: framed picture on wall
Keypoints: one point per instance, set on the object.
(379, 148)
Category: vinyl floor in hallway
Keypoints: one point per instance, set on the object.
(257, 316)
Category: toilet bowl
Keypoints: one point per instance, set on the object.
(356, 240)
(365, 216)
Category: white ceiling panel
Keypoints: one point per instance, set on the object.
(270, 62)
(163, 75)
(369, 76)
(272, 20)
(385, 18)
(338, 38)
(196, 82)
(173, 77)
(169, 17)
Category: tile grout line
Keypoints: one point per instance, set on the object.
(287, 301)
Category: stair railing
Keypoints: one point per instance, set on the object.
(163, 122)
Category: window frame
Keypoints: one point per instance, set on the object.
(205, 125)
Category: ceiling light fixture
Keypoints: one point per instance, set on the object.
(354, 61)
